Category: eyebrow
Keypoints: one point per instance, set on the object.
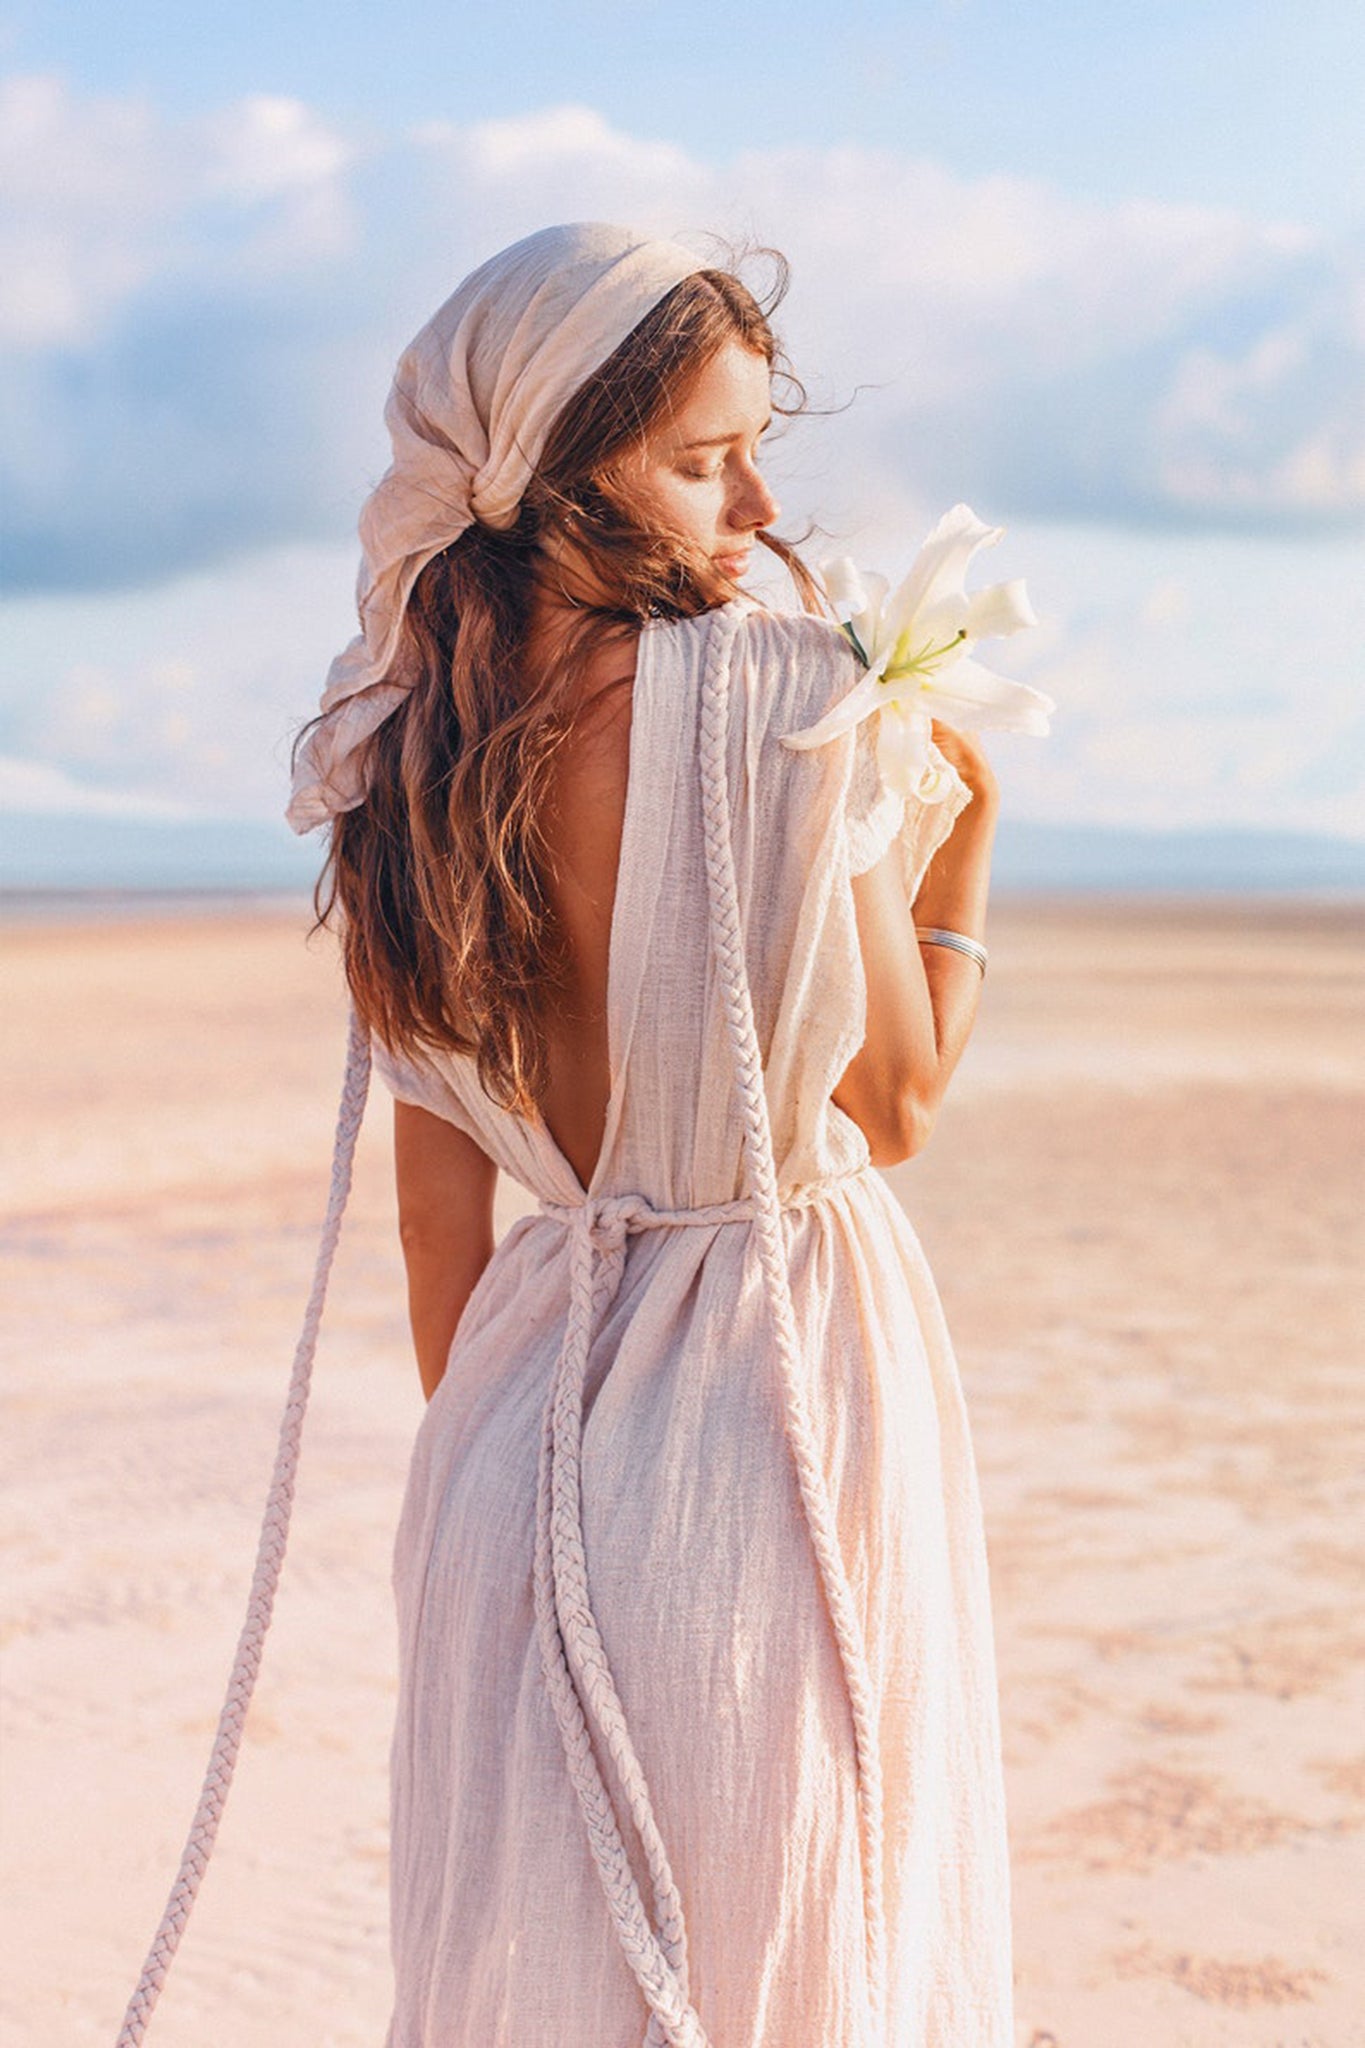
(720, 440)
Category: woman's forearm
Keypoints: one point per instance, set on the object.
(953, 895)
(442, 1274)
(921, 998)
(954, 891)
(445, 1184)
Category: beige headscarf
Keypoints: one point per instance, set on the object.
(473, 400)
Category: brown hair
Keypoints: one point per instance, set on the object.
(438, 876)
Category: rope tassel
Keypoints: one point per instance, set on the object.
(269, 1561)
(574, 1659)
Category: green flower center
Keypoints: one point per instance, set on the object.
(908, 660)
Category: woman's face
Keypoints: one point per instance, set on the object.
(696, 473)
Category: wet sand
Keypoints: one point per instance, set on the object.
(1142, 1203)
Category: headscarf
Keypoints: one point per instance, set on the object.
(472, 403)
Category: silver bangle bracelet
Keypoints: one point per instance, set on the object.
(935, 935)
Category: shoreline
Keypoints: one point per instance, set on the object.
(65, 906)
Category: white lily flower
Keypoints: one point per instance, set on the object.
(846, 589)
(915, 644)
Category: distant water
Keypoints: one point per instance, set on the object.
(1232, 859)
(62, 853)
(45, 857)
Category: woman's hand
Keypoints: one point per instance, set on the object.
(963, 752)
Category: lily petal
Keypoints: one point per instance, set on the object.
(844, 586)
(974, 697)
(938, 624)
(867, 623)
(1002, 608)
(876, 587)
(863, 698)
(903, 742)
(940, 565)
(935, 782)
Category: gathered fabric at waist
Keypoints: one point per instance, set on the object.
(606, 1220)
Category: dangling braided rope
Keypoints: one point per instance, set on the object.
(269, 1559)
(728, 940)
(573, 1656)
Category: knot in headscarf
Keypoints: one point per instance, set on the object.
(473, 400)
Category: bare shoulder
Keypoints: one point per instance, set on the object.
(601, 728)
(585, 804)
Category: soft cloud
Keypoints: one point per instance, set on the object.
(173, 303)
(33, 789)
(203, 314)
(1200, 679)
(189, 692)
(1163, 404)
(108, 203)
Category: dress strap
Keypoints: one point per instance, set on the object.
(727, 938)
(269, 1561)
(578, 1677)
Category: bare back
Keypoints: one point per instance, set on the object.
(582, 823)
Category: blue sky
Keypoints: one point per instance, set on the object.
(1254, 106)
(1099, 271)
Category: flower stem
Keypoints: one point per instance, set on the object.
(856, 644)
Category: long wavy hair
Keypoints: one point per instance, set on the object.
(437, 880)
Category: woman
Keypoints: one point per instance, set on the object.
(697, 1738)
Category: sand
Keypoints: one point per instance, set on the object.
(1142, 1204)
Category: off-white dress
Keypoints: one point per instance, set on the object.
(698, 1737)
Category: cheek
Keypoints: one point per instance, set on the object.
(687, 507)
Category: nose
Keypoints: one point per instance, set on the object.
(753, 504)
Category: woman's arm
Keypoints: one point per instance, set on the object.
(445, 1185)
(922, 1000)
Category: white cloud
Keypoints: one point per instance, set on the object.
(37, 789)
(1200, 680)
(189, 692)
(204, 313)
(106, 199)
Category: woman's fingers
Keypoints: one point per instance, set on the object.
(965, 754)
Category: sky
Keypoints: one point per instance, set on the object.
(1098, 272)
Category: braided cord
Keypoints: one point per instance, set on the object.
(575, 1663)
(728, 940)
(582, 1638)
(269, 1560)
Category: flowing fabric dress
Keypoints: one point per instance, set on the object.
(697, 1738)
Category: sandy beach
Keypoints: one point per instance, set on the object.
(1142, 1203)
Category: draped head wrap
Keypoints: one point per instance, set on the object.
(472, 403)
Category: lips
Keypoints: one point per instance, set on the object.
(733, 565)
